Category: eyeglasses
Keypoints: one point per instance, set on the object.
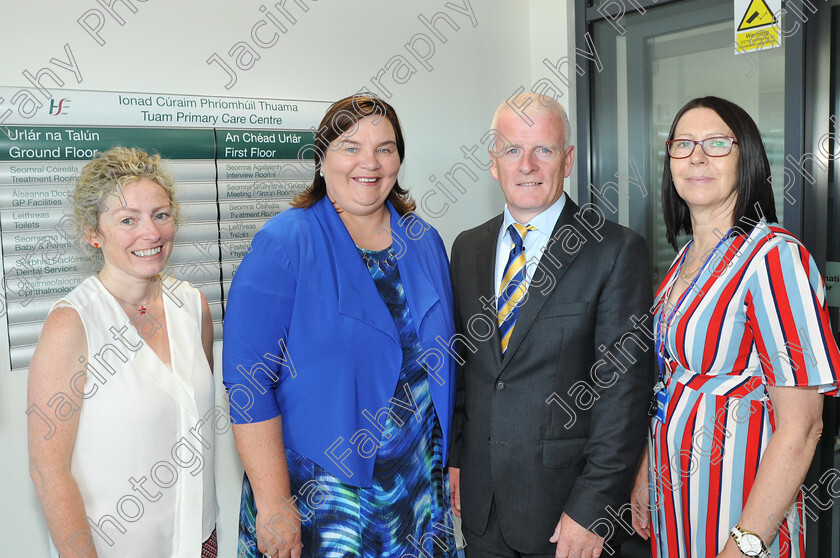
(713, 147)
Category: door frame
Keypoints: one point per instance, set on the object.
(805, 219)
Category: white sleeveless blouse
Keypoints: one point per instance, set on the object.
(143, 456)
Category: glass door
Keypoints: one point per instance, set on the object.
(666, 57)
(659, 54)
(821, 233)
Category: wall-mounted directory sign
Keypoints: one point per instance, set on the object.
(236, 163)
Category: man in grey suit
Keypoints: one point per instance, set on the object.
(554, 389)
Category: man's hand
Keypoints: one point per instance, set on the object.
(574, 541)
(278, 533)
(455, 490)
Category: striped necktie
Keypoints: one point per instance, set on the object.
(513, 287)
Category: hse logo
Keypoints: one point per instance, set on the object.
(60, 107)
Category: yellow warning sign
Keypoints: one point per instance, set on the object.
(758, 14)
(759, 27)
(759, 39)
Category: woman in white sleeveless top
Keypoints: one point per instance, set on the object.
(125, 361)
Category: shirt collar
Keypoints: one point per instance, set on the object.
(544, 222)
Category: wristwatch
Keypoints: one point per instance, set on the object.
(749, 543)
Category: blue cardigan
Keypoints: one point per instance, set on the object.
(307, 335)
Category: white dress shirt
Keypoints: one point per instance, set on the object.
(535, 241)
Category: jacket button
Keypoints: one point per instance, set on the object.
(500, 385)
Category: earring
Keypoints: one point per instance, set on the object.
(321, 173)
(96, 245)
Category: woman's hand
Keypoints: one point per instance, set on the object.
(730, 550)
(263, 454)
(640, 500)
(455, 490)
(278, 531)
(785, 462)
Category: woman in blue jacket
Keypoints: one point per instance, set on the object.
(337, 359)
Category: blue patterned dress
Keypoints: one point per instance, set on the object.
(406, 510)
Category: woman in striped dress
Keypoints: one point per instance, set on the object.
(745, 350)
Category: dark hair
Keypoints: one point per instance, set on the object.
(755, 193)
(342, 116)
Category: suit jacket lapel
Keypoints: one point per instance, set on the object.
(556, 260)
(485, 277)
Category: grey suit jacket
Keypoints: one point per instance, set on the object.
(558, 424)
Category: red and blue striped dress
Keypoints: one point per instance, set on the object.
(755, 317)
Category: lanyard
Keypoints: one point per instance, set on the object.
(665, 318)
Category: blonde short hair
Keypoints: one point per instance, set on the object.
(103, 178)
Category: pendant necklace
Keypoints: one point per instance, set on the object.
(386, 263)
(142, 308)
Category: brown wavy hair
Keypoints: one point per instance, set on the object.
(342, 116)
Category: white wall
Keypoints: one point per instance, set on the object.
(331, 51)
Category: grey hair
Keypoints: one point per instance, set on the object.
(541, 104)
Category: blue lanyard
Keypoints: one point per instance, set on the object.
(669, 316)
